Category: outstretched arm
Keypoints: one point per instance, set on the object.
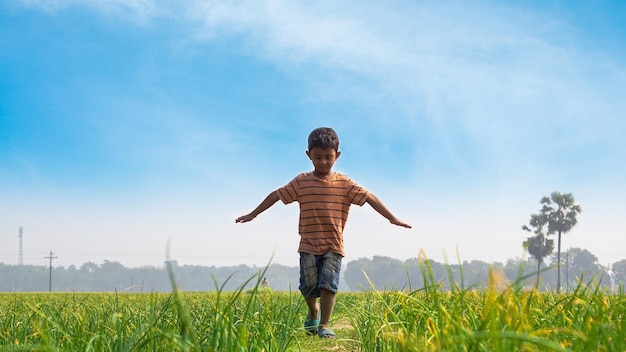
(265, 204)
(382, 209)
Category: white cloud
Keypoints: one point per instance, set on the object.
(491, 69)
(510, 84)
(140, 11)
(470, 64)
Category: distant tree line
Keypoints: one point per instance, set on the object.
(113, 276)
(578, 265)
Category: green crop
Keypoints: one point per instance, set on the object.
(501, 317)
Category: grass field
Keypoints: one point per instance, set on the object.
(501, 317)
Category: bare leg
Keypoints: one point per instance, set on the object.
(314, 308)
(327, 302)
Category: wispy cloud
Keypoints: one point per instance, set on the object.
(461, 54)
(510, 80)
(140, 11)
(460, 62)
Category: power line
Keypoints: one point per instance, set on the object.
(144, 254)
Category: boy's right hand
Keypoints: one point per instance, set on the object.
(244, 218)
(266, 203)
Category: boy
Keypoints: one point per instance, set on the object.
(325, 198)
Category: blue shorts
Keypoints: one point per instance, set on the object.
(319, 272)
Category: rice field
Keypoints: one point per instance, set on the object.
(501, 317)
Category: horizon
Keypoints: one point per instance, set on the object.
(131, 127)
(443, 259)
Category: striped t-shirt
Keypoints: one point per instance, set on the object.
(324, 206)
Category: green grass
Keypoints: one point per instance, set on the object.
(501, 317)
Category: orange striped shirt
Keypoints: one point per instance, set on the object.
(324, 206)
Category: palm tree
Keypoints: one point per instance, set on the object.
(560, 212)
(538, 246)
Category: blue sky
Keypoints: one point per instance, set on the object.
(127, 125)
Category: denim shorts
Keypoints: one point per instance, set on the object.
(319, 272)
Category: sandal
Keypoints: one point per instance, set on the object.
(310, 326)
(325, 333)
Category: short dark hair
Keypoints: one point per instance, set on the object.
(324, 138)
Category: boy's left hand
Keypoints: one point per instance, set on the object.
(400, 223)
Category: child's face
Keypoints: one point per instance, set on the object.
(323, 159)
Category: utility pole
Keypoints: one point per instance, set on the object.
(50, 279)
